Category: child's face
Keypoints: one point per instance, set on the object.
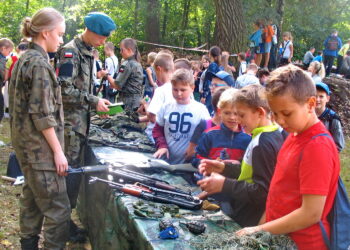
(205, 63)
(291, 115)
(6, 51)
(311, 69)
(215, 84)
(107, 51)
(229, 117)
(248, 118)
(125, 52)
(182, 92)
(285, 38)
(321, 99)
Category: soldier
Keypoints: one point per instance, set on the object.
(75, 74)
(37, 134)
(130, 77)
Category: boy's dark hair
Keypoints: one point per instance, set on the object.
(165, 61)
(215, 52)
(182, 63)
(252, 96)
(348, 53)
(291, 80)
(262, 72)
(206, 57)
(216, 97)
(241, 56)
(320, 52)
(22, 46)
(130, 43)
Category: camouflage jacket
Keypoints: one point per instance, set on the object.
(75, 62)
(2, 69)
(130, 77)
(35, 105)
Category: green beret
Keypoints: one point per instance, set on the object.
(99, 23)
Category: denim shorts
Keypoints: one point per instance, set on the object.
(267, 47)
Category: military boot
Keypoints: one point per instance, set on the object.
(30, 243)
(76, 234)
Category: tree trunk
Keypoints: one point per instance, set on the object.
(198, 31)
(136, 20)
(152, 27)
(184, 23)
(27, 7)
(165, 18)
(63, 5)
(230, 28)
(280, 14)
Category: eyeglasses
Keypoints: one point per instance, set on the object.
(215, 85)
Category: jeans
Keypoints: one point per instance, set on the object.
(328, 63)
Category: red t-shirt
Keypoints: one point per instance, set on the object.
(304, 166)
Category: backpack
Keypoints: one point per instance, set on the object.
(332, 43)
(338, 217)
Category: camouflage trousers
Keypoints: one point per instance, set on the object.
(74, 145)
(131, 104)
(44, 202)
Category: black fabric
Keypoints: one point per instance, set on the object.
(232, 170)
(13, 168)
(66, 69)
(2, 104)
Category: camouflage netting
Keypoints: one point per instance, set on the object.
(119, 131)
(340, 99)
(228, 241)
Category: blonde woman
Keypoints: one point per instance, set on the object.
(317, 71)
(37, 134)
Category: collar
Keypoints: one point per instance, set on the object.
(38, 48)
(227, 130)
(2, 56)
(82, 46)
(131, 58)
(260, 130)
(324, 113)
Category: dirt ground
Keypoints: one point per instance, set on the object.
(9, 195)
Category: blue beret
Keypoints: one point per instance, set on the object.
(99, 23)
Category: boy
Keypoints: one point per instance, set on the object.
(326, 115)
(221, 79)
(306, 176)
(111, 65)
(247, 185)
(177, 119)
(249, 77)
(318, 57)
(308, 57)
(243, 64)
(225, 141)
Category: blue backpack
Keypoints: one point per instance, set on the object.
(338, 218)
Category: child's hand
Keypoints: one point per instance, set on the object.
(248, 230)
(212, 184)
(209, 166)
(203, 100)
(160, 152)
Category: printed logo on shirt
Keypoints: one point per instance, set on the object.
(180, 126)
(121, 69)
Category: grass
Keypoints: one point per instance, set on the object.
(9, 195)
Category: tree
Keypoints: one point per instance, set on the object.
(230, 28)
(152, 27)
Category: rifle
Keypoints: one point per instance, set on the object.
(129, 176)
(157, 195)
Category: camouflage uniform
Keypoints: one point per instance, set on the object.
(35, 105)
(75, 64)
(129, 80)
(2, 83)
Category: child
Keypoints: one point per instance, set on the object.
(111, 66)
(205, 64)
(6, 46)
(205, 124)
(318, 57)
(317, 71)
(248, 190)
(177, 119)
(326, 115)
(214, 66)
(249, 77)
(228, 67)
(197, 72)
(305, 181)
(243, 64)
(263, 75)
(225, 139)
(286, 49)
(255, 41)
(308, 57)
(130, 76)
(151, 79)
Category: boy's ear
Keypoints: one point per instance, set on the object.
(261, 111)
(328, 98)
(311, 103)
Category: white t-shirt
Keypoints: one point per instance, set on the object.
(246, 79)
(111, 65)
(242, 68)
(179, 122)
(287, 51)
(161, 95)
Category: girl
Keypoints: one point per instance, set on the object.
(214, 67)
(286, 49)
(130, 76)
(205, 65)
(255, 41)
(37, 128)
(151, 79)
(317, 71)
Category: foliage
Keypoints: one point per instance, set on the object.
(309, 21)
